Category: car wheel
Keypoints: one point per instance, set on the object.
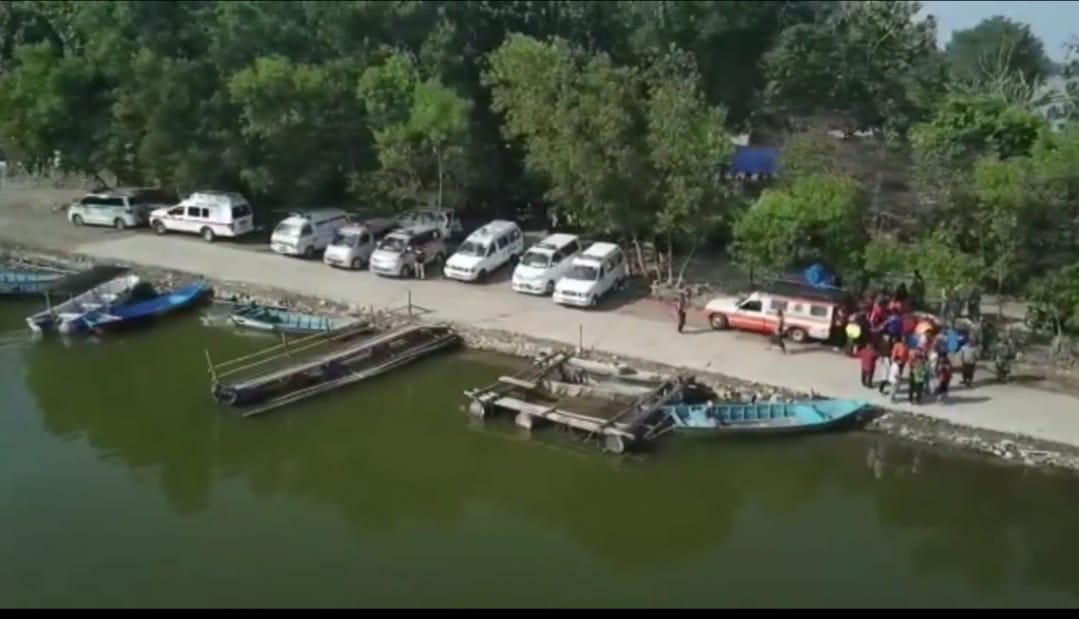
(549, 288)
(482, 276)
(207, 235)
(119, 224)
(593, 301)
(798, 336)
(309, 252)
(77, 220)
(159, 227)
(718, 321)
(357, 264)
(406, 271)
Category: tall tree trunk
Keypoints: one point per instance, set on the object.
(689, 259)
(441, 176)
(670, 259)
(640, 256)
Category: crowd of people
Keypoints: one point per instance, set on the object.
(903, 346)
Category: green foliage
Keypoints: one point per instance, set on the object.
(870, 65)
(1054, 302)
(816, 218)
(686, 143)
(966, 127)
(977, 51)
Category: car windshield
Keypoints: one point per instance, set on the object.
(344, 239)
(583, 272)
(536, 259)
(393, 244)
(287, 229)
(470, 248)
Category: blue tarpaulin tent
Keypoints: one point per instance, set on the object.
(755, 161)
(819, 276)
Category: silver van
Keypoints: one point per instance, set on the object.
(352, 245)
(397, 253)
(120, 208)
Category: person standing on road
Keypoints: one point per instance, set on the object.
(917, 379)
(781, 332)
(421, 266)
(968, 360)
(868, 357)
(681, 309)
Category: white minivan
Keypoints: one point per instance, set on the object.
(306, 233)
(486, 250)
(545, 263)
(352, 245)
(591, 275)
(209, 214)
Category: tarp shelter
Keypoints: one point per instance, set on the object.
(755, 161)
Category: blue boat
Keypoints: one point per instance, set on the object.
(144, 311)
(19, 282)
(282, 320)
(765, 417)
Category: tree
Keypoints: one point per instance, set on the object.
(1054, 303)
(996, 42)
(1003, 201)
(421, 131)
(687, 143)
(870, 66)
(816, 218)
(948, 270)
(577, 117)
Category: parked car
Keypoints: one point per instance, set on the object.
(486, 250)
(809, 313)
(119, 208)
(209, 214)
(352, 245)
(545, 263)
(445, 220)
(397, 253)
(306, 233)
(591, 276)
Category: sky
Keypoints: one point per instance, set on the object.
(1054, 22)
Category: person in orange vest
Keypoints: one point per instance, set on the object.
(900, 353)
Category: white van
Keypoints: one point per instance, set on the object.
(209, 214)
(352, 245)
(398, 252)
(545, 263)
(119, 208)
(485, 251)
(591, 275)
(304, 233)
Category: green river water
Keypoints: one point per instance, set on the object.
(122, 484)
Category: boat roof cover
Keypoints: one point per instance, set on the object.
(82, 281)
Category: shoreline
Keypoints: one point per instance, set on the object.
(910, 427)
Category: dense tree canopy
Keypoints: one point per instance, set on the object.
(618, 115)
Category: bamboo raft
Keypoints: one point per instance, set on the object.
(290, 372)
(544, 392)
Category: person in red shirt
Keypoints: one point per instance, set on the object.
(944, 377)
(900, 353)
(868, 357)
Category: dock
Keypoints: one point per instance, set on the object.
(622, 410)
(313, 365)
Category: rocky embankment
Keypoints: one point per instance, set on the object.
(906, 426)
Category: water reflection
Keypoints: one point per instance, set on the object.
(398, 450)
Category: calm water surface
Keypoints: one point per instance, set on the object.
(121, 484)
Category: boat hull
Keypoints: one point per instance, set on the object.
(279, 320)
(753, 419)
(19, 283)
(67, 317)
(144, 312)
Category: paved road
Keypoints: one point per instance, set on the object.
(631, 329)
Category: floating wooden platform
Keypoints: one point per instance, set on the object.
(624, 406)
(310, 366)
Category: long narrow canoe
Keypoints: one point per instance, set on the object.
(265, 318)
(765, 417)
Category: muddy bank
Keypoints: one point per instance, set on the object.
(903, 425)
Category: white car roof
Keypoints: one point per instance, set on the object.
(554, 242)
(490, 230)
(213, 198)
(599, 251)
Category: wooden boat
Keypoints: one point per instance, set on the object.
(343, 357)
(20, 282)
(143, 311)
(67, 317)
(281, 320)
(765, 417)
